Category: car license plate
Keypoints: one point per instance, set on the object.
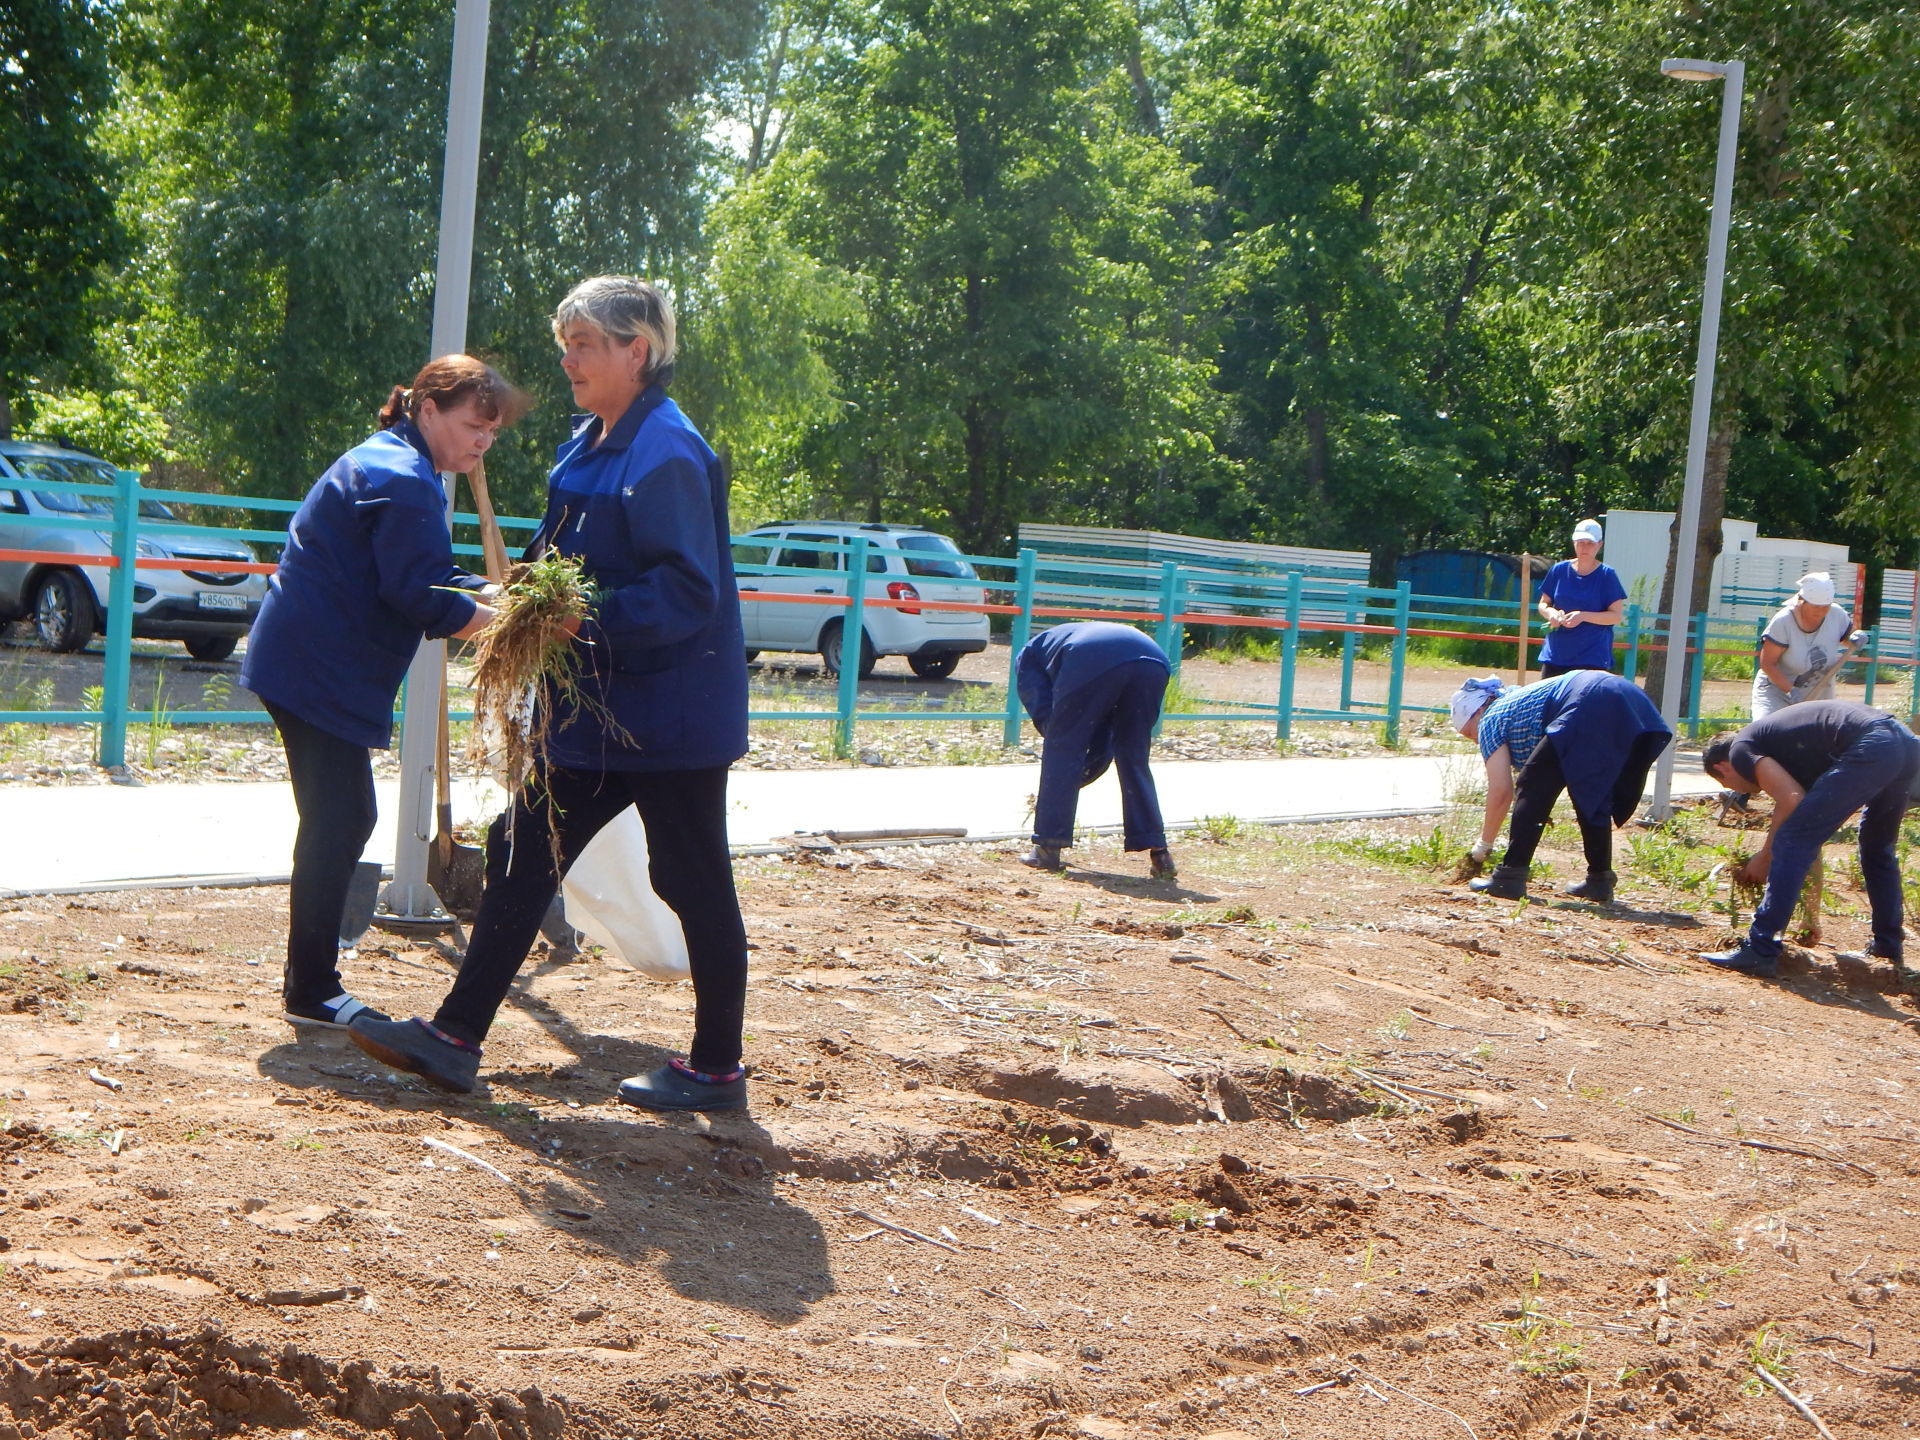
(213, 600)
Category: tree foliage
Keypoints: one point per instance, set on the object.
(304, 140)
(57, 226)
(1380, 275)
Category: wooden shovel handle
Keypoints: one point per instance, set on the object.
(491, 543)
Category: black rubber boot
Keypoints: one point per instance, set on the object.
(675, 1087)
(1597, 887)
(420, 1049)
(1507, 882)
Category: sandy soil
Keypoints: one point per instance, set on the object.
(1307, 1144)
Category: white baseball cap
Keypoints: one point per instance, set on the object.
(1816, 588)
(1588, 530)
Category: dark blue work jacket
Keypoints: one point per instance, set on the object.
(1058, 661)
(362, 580)
(1603, 726)
(662, 656)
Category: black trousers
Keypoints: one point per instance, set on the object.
(685, 812)
(1537, 786)
(333, 791)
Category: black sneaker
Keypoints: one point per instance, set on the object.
(1160, 864)
(335, 1014)
(1746, 960)
(675, 1087)
(419, 1049)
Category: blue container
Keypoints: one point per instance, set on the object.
(1465, 574)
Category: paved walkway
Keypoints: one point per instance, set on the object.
(101, 836)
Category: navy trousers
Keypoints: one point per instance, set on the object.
(333, 794)
(1873, 772)
(1111, 715)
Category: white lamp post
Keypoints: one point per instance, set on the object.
(1680, 617)
(409, 899)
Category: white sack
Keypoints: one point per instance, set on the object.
(609, 899)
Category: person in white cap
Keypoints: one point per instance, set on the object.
(1581, 600)
(1801, 640)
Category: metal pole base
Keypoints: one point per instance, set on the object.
(412, 910)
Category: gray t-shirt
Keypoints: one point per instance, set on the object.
(1805, 652)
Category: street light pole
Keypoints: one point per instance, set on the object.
(409, 899)
(1680, 616)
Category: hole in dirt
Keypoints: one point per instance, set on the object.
(156, 1384)
(1129, 1094)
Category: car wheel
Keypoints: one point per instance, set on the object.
(212, 647)
(63, 612)
(830, 652)
(934, 667)
(752, 655)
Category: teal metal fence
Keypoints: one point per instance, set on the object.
(1165, 598)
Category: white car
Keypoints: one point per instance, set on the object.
(930, 567)
(207, 609)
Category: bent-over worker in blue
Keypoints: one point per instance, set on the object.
(639, 497)
(1093, 689)
(1591, 734)
(367, 572)
(1820, 760)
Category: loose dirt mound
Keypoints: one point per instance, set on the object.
(1300, 1146)
(157, 1385)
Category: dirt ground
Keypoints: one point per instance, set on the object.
(1306, 1144)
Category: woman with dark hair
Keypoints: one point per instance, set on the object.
(367, 573)
(640, 499)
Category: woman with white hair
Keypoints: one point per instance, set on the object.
(1802, 639)
(1589, 733)
(1581, 600)
(639, 498)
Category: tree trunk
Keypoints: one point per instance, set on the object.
(1713, 510)
(1317, 464)
(1470, 277)
(1144, 104)
(758, 153)
(1319, 458)
(6, 415)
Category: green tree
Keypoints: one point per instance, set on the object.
(57, 226)
(1012, 238)
(757, 314)
(1820, 309)
(301, 145)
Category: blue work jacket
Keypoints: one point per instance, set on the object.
(662, 658)
(1057, 661)
(363, 579)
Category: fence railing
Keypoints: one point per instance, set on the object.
(1165, 598)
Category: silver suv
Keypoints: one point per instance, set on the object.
(210, 610)
(929, 567)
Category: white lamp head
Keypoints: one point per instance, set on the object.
(1693, 70)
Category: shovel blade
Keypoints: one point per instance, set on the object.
(460, 880)
(362, 895)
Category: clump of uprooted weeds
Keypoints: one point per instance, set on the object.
(526, 664)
